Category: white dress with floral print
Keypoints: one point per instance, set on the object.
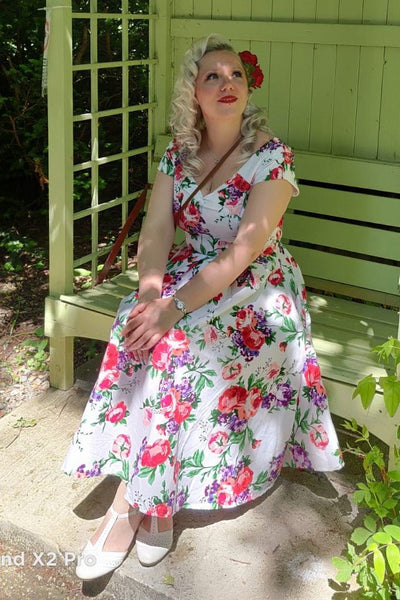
(233, 392)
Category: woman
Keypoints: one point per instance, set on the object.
(210, 382)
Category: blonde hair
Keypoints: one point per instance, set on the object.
(186, 120)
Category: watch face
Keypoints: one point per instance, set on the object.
(180, 305)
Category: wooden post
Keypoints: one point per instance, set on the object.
(60, 178)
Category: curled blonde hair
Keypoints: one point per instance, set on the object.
(186, 120)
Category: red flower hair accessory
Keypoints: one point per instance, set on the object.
(254, 73)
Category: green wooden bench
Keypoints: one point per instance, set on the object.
(344, 230)
(347, 241)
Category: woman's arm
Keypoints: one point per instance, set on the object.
(156, 239)
(267, 202)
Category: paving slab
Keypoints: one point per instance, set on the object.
(276, 548)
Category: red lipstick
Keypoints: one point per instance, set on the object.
(227, 99)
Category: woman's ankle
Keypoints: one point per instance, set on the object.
(163, 523)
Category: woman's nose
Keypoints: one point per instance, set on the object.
(226, 82)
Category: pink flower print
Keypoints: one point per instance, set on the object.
(169, 402)
(225, 495)
(110, 377)
(181, 254)
(234, 206)
(110, 358)
(190, 216)
(253, 401)
(121, 446)
(276, 173)
(283, 304)
(182, 411)
(243, 480)
(312, 374)
(147, 416)
(210, 334)
(253, 338)
(268, 251)
(156, 454)
(161, 355)
(283, 346)
(319, 437)
(177, 341)
(240, 183)
(287, 155)
(233, 397)
(276, 277)
(232, 370)
(161, 510)
(273, 370)
(245, 318)
(116, 413)
(177, 467)
(218, 442)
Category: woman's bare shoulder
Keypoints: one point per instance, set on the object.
(262, 138)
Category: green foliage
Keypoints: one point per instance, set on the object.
(23, 110)
(389, 352)
(16, 251)
(36, 353)
(373, 553)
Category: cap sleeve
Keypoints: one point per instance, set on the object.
(168, 162)
(276, 161)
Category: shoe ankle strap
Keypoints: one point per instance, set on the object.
(118, 515)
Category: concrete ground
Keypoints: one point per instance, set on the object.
(277, 548)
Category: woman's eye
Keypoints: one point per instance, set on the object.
(238, 74)
(211, 76)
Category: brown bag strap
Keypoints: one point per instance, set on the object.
(118, 242)
(206, 178)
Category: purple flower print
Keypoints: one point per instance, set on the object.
(319, 399)
(172, 427)
(268, 401)
(237, 425)
(96, 396)
(300, 457)
(180, 500)
(284, 394)
(93, 472)
(211, 491)
(124, 359)
(276, 466)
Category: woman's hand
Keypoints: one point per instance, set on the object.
(146, 325)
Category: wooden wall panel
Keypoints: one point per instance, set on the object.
(345, 100)
(389, 132)
(326, 89)
(301, 90)
(368, 103)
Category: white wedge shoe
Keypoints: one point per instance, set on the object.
(94, 562)
(153, 545)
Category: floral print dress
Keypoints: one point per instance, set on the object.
(233, 392)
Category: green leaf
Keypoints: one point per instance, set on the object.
(393, 558)
(345, 569)
(366, 390)
(360, 535)
(394, 475)
(391, 393)
(168, 579)
(382, 537)
(370, 523)
(393, 530)
(21, 422)
(379, 565)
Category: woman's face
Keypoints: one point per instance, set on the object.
(221, 86)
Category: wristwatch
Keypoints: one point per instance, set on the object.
(180, 305)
